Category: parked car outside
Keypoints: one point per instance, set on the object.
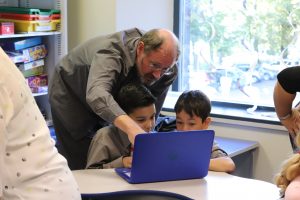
(246, 67)
(238, 77)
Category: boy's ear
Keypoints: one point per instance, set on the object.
(206, 123)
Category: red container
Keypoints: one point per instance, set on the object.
(28, 17)
(7, 28)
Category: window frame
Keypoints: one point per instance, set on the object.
(221, 110)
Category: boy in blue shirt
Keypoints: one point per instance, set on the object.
(192, 113)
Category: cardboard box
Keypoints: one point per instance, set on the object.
(34, 53)
(34, 71)
(37, 81)
(40, 89)
(16, 57)
(31, 65)
(7, 28)
(20, 43)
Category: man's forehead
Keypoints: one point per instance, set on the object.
(162, 61)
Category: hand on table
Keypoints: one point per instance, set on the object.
(127, 161)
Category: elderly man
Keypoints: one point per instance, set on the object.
(87, 80)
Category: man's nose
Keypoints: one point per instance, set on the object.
(157, 74)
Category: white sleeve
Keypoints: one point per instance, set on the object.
(6, 109)
(2, 148)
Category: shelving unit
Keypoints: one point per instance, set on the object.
(56, 42)
(30, 34)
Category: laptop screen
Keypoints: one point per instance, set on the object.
(167, 156)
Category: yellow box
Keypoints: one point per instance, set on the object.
(34, 26)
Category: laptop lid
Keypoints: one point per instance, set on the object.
(167, 156)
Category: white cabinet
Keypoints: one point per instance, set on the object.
(56, 42)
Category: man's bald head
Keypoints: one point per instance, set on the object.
(161, 40)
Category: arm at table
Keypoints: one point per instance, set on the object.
(222, 164)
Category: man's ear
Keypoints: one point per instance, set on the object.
(206, 123)
(140, 47)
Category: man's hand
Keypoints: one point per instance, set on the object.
(127, 125)
(127, 161)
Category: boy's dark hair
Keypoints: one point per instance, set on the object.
(193, 102)
(133, 96)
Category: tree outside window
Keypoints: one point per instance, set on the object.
(233, 49)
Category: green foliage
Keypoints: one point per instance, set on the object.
(233, 25)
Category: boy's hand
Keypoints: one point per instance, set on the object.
(127, 161)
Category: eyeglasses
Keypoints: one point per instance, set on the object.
(156, 67)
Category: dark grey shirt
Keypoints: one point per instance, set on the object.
(85, 83)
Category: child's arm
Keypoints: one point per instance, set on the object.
(103, 160)
(222, 164)
(104, 152)
(220, 161)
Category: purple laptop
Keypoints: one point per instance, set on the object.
(168, 156)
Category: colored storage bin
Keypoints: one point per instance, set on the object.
(29, 11)
(28, 17)
(34, 26)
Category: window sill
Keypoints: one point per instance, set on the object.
(235, 114)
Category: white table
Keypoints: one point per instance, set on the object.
(215, 186)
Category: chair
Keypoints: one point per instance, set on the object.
(135, 195)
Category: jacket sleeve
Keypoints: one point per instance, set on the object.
(103, 152)
(105, 69)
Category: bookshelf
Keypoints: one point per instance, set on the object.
(56, 42)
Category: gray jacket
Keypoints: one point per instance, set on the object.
(85, 83)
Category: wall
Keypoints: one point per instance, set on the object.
(88, 18)
(274, 146)
(144, 14)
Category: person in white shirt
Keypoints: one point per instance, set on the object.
(30, 166)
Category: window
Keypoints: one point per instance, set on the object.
(232, 50)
